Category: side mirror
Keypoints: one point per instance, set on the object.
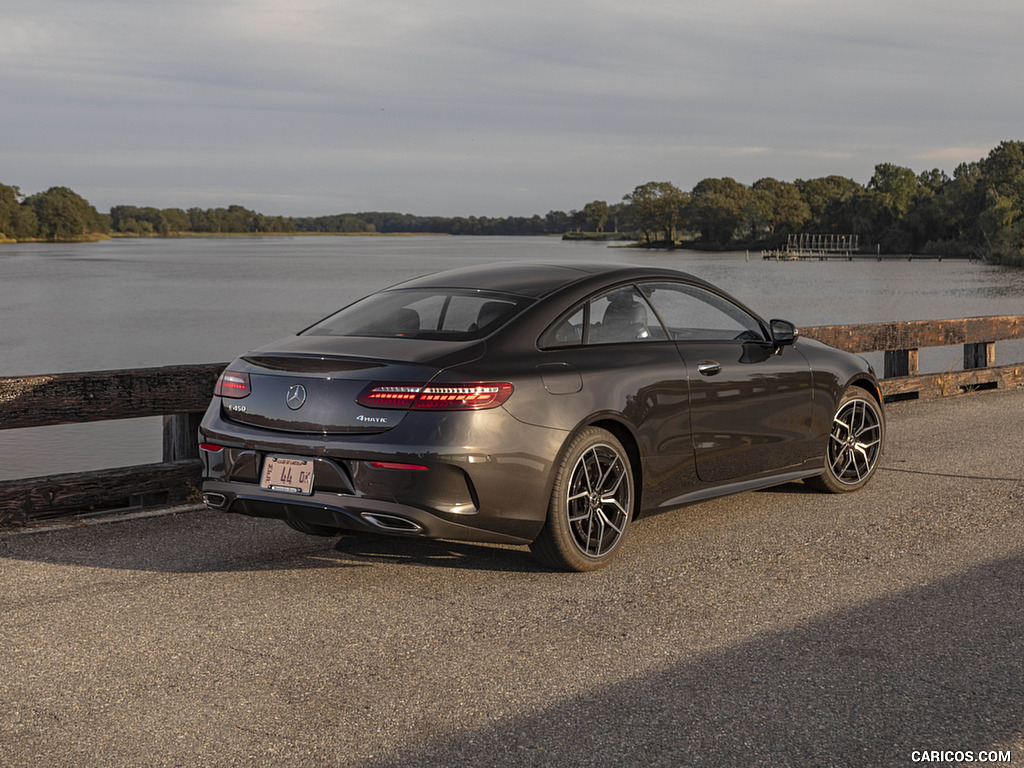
(783, 332)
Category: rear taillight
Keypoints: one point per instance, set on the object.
(440, 397)
(233, 384)
(389, 395)
(472, 397)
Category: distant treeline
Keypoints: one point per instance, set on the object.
(978, 211)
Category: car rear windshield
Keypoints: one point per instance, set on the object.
(423, 314)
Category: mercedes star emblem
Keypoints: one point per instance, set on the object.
(296, 396)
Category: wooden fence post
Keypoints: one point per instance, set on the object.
(900, 362)
(181, 438)
(980, 355)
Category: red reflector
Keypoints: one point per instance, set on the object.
(397, 465)
(453, 397)
(211, 447)
(232, 384)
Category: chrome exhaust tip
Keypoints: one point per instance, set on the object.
(392, 522)
(215, 500)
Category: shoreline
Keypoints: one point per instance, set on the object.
(176, 235)
(95, 237)
(101, 237)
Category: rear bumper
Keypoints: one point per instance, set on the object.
(347, 512)
(484, 476)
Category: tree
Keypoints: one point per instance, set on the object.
(865, 214)
(824, 193)
(577, 219)
(17, 220)
(63, 214)
(1002, 220)
(926, 223)
(616, 213)
(557, 221)
(960, 207)
(774, 204)
(897, 185)
(597, 213)
(717, 207)
(132, 220)
(172, 220)
(657, 208)
(933, 181)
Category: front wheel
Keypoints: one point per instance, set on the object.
(591, 504)
(854, 444)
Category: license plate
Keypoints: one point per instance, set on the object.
(287, 475)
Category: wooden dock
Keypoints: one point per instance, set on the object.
(810, 246)
(806, 247)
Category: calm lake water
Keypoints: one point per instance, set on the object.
(136, 303)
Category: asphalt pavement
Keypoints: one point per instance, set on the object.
(781, 628)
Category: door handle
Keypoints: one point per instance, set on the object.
(708, 367)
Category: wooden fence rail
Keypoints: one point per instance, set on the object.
(181, 393)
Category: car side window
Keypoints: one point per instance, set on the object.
(695, 314)
(622, 315)
(617, 316)
(568, 333)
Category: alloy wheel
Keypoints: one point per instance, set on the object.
(855, 442)
(598, 499)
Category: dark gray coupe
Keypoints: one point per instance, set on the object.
(540, 404)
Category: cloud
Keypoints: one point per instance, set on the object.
(461, 107)
(955, 155)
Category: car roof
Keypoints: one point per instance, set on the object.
(532, 278)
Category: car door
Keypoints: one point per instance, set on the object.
(750, 402)
(623, 362)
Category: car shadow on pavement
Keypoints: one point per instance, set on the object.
(200, 541)
(797, 488)
(932, 667)
(370, 548)
(801, 488)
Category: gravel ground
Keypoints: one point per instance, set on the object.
(781, 628)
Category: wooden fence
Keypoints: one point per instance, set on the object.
(901, 342)
(181, 393)
(178, 393)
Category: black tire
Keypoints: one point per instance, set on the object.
(591, 504)
(313, 529)
(854, 444)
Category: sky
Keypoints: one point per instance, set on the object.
(478, 108)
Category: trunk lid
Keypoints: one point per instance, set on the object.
(308, 384)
